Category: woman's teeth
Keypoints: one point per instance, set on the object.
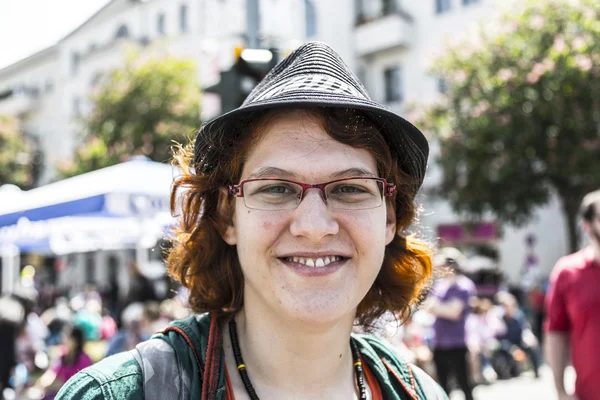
(314, 262)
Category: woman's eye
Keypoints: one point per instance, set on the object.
(275, 189)
(350, 189)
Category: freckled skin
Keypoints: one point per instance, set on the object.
(297, 143)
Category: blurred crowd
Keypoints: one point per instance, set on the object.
(465, 335)
(500, 339)
(46, 336)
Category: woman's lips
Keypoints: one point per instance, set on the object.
(314, 271)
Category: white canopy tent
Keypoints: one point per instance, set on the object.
(119, 207)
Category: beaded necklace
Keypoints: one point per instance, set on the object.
(360, 375)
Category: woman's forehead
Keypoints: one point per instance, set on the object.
(296, 141)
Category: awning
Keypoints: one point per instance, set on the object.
(111, 208)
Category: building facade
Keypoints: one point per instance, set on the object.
(388, 43)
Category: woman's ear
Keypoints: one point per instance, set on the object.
(226, 212)
(390, 226)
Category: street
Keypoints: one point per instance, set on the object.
(525, 387)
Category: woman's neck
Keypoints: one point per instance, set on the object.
(284, 357)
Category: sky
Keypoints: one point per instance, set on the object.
(28, 26)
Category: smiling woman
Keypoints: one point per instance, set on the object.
(294, 210)
(315, 144)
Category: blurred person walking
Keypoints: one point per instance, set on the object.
(450, 303)
(72, 360)
(136, 328)
(12, 320)
(572, 323)
(518, 334)
(483, 325)
(141, 288)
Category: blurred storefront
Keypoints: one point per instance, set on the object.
(87, 229)
(479, 242)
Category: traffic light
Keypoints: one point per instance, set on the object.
(250, 67)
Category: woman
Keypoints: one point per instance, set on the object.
(73, 360)
(293, 209)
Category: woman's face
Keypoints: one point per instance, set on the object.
(268, 241)
(69, 342)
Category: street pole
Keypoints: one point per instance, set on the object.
(253, 23)
(10, 267)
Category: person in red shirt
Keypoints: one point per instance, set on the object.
(573, 318)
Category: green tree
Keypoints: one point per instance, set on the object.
(17, 155)
(140, 109)
(520, 119)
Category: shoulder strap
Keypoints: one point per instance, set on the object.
(213, 360)
(163, 376)
(181, 332)
(410, 390)
(207, 378)
(395, 373)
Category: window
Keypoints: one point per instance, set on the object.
(75, 59)
(76, 107)
(122, 32)
(311, 18)
(113, 270)
(393, 84)
(183, 18)
(96, 79)
(442, 85)
(442, 6)
(90, 268)
(389, 6)
(160, 24)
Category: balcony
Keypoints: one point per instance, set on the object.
(16, 103)
(374, 34)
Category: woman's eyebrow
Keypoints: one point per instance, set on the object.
(269, 172)
(353, 172)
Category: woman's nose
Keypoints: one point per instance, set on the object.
(313, 219)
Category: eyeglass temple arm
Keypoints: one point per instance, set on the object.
(389, 189)
(235, 190)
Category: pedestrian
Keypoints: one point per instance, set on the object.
(72, 360)
(133, 331)
(450, 303)
(141, 288)
(293, 216)
(572, 324)
(12, 322)
(518, 333)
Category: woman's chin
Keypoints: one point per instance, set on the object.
(318, 310)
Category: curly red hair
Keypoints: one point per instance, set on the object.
(204, 263)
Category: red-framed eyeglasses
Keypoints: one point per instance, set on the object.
(274, 194)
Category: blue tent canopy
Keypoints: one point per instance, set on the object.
(132, 192)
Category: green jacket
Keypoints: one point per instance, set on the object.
(130, 375)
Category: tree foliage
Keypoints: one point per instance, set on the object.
(17, 155)
(140, 109)
(520, 119)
